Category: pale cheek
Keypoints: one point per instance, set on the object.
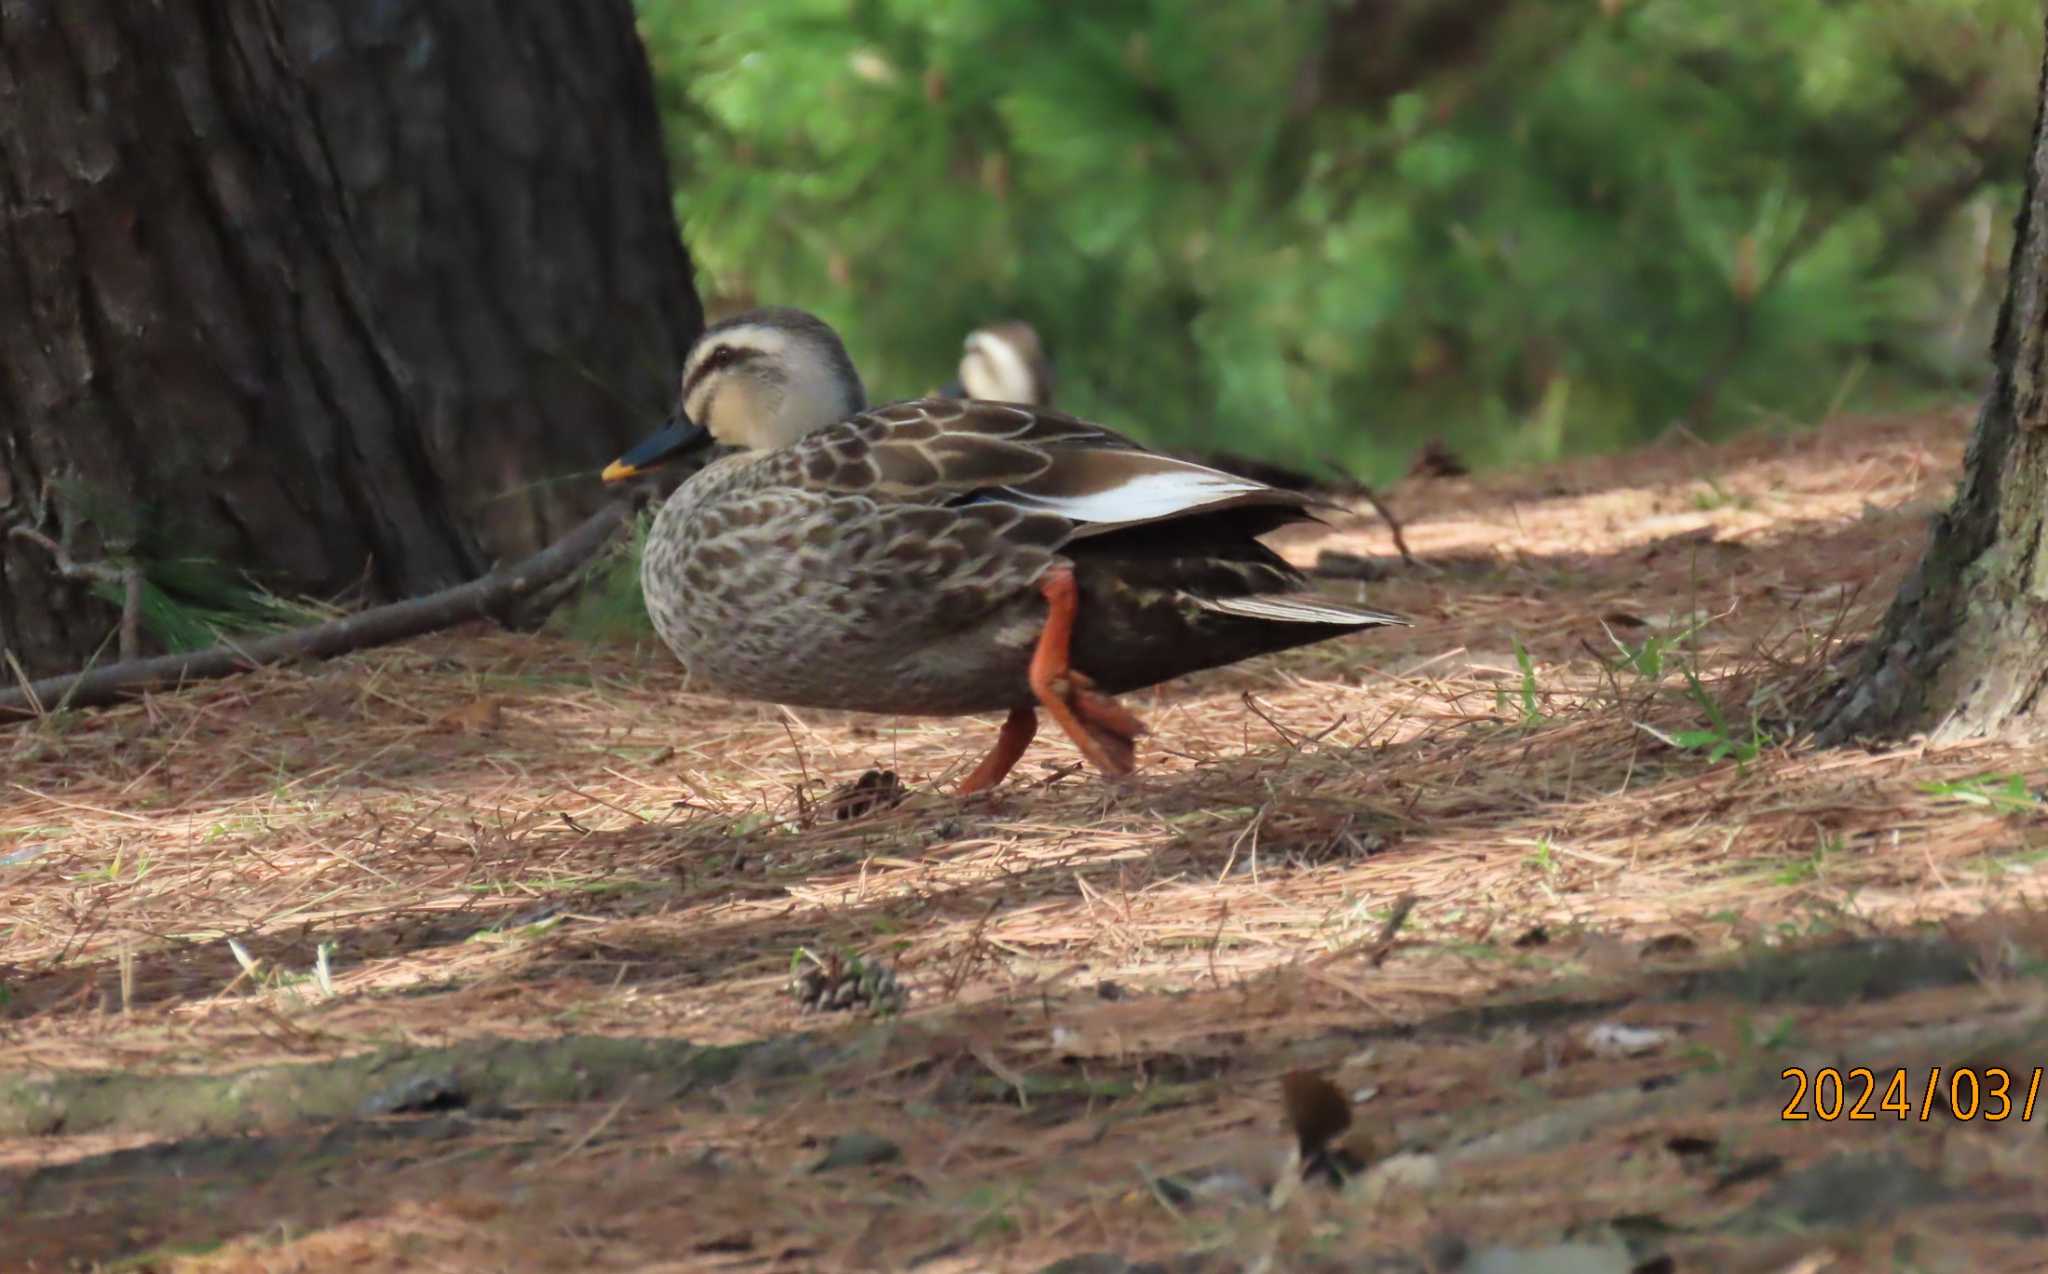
(744, 414)
(699, 406)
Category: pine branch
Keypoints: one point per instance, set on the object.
(129, 578)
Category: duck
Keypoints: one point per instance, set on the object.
(949, 556)
(1004, 362)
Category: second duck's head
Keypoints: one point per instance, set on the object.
(1006, 363)
(758, 380)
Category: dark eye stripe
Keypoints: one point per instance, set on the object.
(720, 357)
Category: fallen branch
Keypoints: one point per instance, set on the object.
(1379, 506)
(479, 598)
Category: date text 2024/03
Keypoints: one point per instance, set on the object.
(1990, 1093)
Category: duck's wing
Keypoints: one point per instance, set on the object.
(958, 452)
(974, 499)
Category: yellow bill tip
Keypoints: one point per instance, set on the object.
(619, 471)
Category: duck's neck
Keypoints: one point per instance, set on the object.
(815, 396)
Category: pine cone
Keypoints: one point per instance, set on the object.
(839, 984)
(875, 790)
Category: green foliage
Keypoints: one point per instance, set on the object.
(189, 599)
(610, 605)
(2004, 793)
(1801, 871)
(1715, 738)
(1531, 702)
(1300, 228)
(1647, 660)
(190, 603)
(1717, 741)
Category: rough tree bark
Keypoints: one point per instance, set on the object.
(1963, 651)
(329, 291)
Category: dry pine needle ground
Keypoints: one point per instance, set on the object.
(1574, 769)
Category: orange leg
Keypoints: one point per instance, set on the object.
(1102, 728)
(1010, 745)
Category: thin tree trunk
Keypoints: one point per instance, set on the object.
(1964, 650)
(332, 292)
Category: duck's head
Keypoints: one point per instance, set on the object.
(1006, 363)
(758, 380)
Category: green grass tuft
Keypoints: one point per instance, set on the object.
(2005, 793)
(610, 605)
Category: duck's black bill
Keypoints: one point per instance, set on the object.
(678, 437)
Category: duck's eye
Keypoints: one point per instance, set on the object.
(720, 356)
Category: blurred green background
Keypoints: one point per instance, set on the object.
(1528, 227)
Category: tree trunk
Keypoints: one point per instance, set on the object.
(332, 292)
(1964, 650)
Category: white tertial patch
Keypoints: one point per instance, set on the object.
(1000, 373)
(1297, 609)
(1141, 496)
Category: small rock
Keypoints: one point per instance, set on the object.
(1616, 1039)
